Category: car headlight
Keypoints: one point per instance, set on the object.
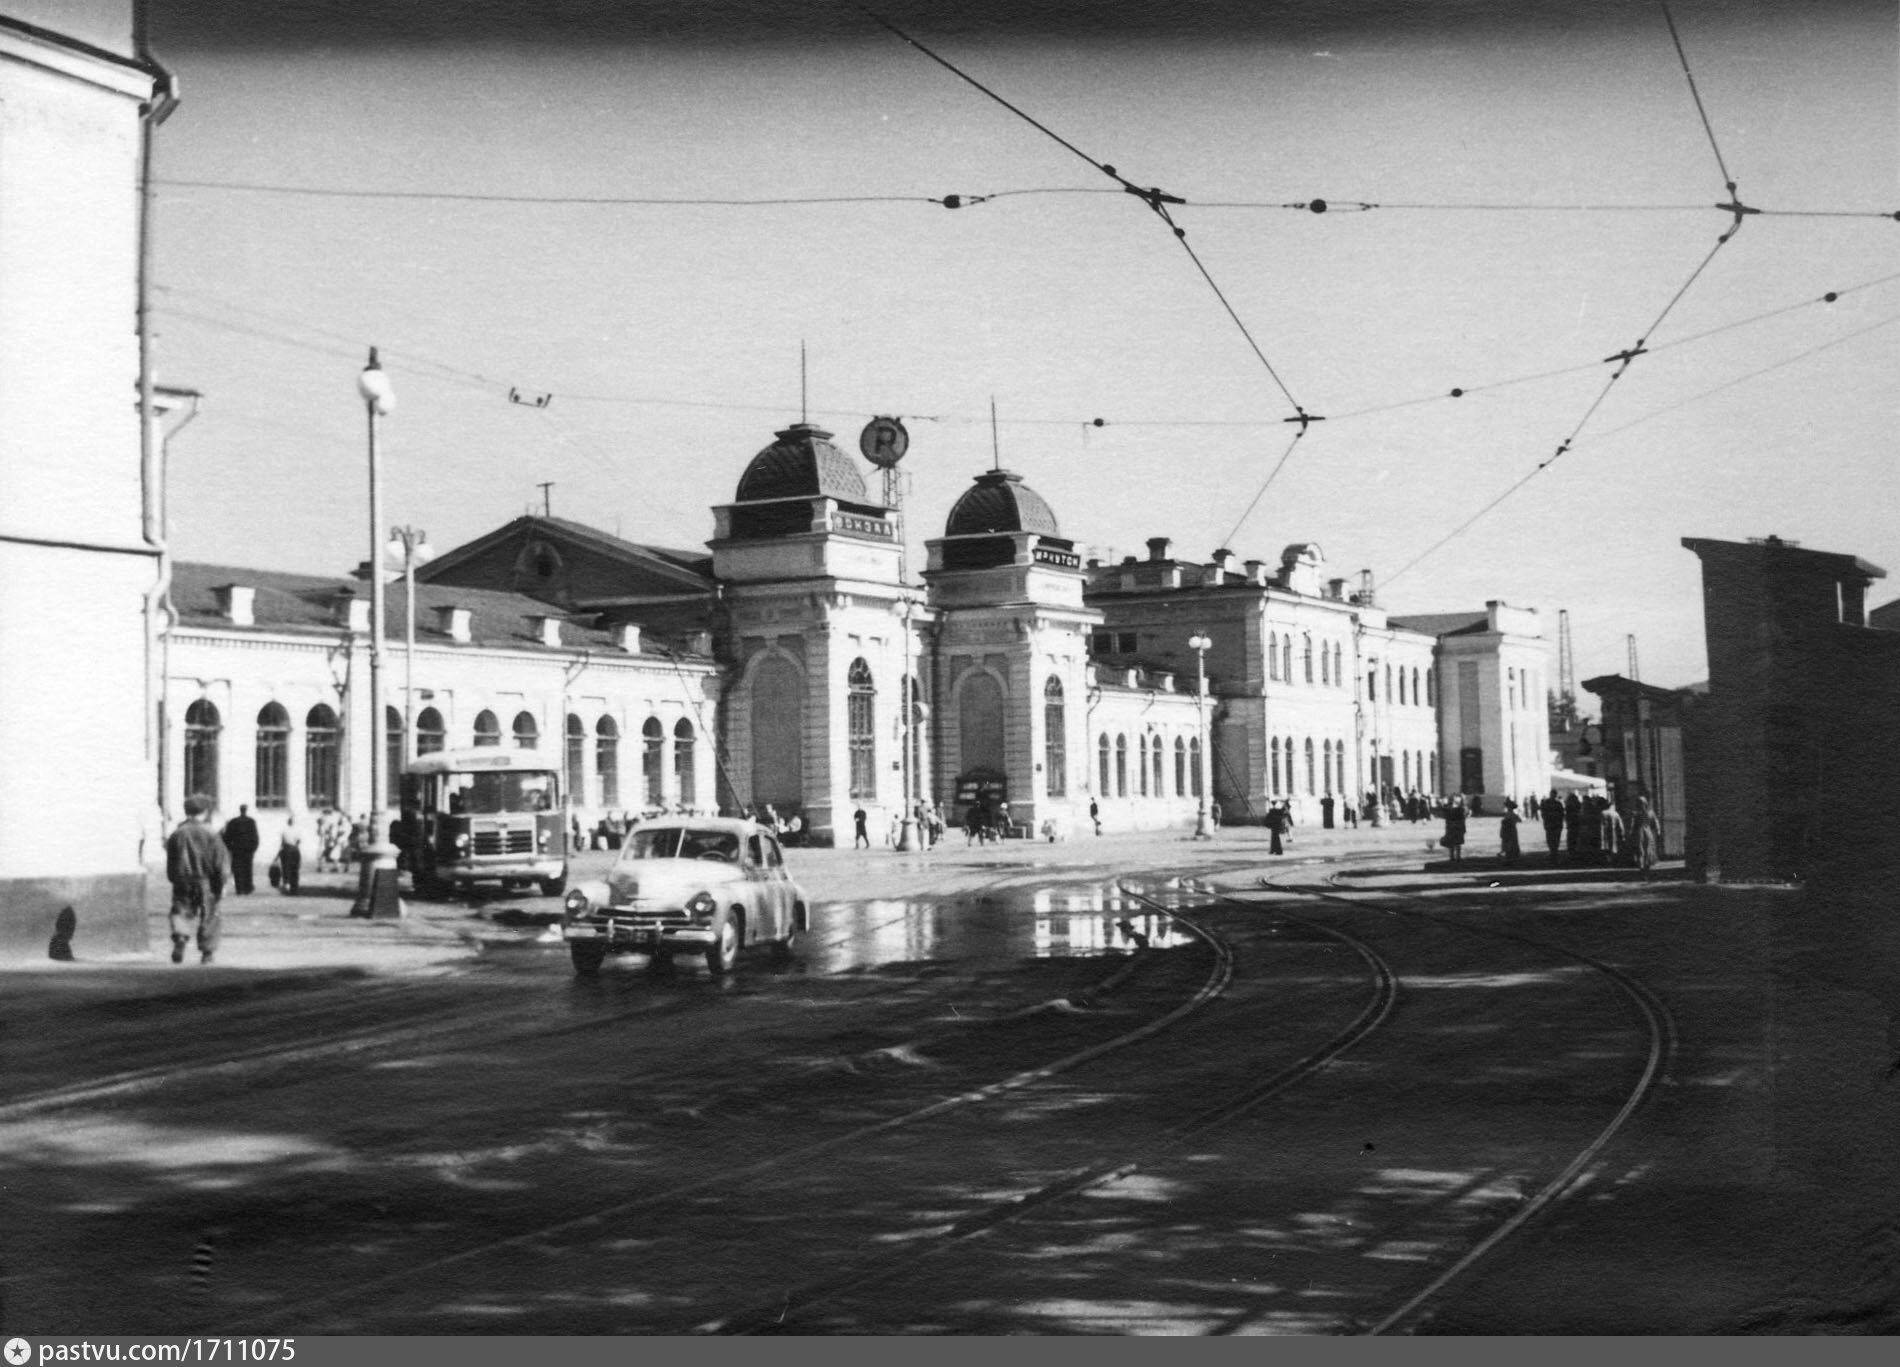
(575, 902)
(542, 841)
(702, 906)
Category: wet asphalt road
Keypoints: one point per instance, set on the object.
(876, 1137)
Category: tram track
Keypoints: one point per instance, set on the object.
(603, 1219)
(779, 1316)
(434, 1031)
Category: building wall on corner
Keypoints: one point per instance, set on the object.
(74, 564)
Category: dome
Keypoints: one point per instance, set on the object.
(1000, 502)
(802, 463)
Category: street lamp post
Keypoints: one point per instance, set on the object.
(907, 834)
(1199, 644)
(410, 546)
(376, 894)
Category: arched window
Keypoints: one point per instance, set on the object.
(1055, 749)
(1339, 670)
(980, 720)
(1101, 750)
(320, 759)
(1180, 766)
(1339, 763)
(1372, 681)
(1121, 766)
(1306, 656)
(392, 756)
(1405, 768)
(1194, 764)
(683, 767)
(487, 728)
(652, 757)
(1326, 767)
(1273, 654)
(527, 733)
(607, 761)
(576, 768)
(1309, 766)
(1431, 687)
(1434, 764)
(862, 723)
(1388, 681)
(202, 727)
(778, 733)
(431, 734)
(1325, 663)
(1401, 692)
(1286, 657)
(1510, 687)
(1418, 698)
(1273, 747)
(273, 758)
(1141, 765)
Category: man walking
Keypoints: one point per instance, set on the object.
(196, 865)
(863, 837)
(290, 857)
(1095, 815)
(240, 838)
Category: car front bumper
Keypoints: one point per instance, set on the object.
(640, 933)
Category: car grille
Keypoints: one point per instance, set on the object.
(502, 842)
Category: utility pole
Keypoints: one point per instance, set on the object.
(547, 499)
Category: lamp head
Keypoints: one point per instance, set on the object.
(373, 384)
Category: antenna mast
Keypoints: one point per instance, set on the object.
(1636, 673)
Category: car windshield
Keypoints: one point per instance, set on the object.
(683, 842)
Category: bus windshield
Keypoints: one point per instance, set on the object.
(491, 792)
(676, 842)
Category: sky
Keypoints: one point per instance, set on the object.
(1545, 188)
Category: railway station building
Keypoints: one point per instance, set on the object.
(795, 663)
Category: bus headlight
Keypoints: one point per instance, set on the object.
(461, 843)
(542, 840)
(702, 906)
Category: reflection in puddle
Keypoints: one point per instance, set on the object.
(997, 927)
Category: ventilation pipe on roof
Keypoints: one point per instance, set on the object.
(1160, 548)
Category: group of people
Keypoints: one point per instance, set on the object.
(927, 816)
(1591, 829)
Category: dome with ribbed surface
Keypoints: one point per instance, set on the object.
(802, 463)
(1000, 502)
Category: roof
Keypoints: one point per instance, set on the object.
(1836, 563)
(1000, 502)
(688, 569)
(306, 604)
(1437, 624)
(802, 463)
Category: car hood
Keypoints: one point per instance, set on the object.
(666, 879)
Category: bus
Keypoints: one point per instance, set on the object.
(483, 815)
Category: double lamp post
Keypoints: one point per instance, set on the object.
(377, 895)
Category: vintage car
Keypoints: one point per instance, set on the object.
(706, 884)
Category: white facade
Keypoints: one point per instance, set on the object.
(79, 540)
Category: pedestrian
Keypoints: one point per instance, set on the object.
(1352, 816)
(1276, 828)
(1508, 848)
(1326, 812)
(1454, 837)
(1573, 820)
(289, 857)
(240, 838)
(1213, 814)
(1095, 815)
(1551, 810)
(1609, 831)
(196, 865)
(863, 836)
(1645, 834)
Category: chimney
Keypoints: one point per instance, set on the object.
(1221, 559)
(351, 612)
(547, 629)
(1336, 590)
(455, 623)
(627, 637)
(1256, 572)
(237, 603)
(1160, 548)
(699, 643)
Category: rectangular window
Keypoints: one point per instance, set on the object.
(1126, 643)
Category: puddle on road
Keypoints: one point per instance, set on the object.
(993, 927)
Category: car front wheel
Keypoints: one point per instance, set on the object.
(723, 956)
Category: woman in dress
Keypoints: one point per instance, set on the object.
(1646, 833)
(1508, 849)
